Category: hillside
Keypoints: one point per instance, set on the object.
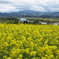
(31, 13)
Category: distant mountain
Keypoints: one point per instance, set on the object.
(30, 13)
(22, 13)
(4, 14)
(52, 14)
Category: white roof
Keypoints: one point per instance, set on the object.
(22, 19)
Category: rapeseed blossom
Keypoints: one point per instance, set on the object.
(26, 41)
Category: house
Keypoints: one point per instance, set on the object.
(56, 23)
(43, 23)
(24, 20)
(31, 22)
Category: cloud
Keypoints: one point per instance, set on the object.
(37, 5)
(7, 8)
(54, 9)
(5, 1)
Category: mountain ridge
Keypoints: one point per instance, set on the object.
(29, 13)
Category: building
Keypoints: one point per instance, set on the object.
(24, 20)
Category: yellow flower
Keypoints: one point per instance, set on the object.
(43, 58)
(5, 56)
(33, 53)
(29, 41)
(8, 58)
(57, 52)
(20, 56)
(6, 44)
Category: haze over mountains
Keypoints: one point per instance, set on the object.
(31, 13)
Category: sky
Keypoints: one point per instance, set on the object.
(36, 5)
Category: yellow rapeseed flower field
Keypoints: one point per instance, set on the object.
(27, 41)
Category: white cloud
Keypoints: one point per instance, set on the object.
(37, 5)
(37, 8)
(7, 8)
(55, 9)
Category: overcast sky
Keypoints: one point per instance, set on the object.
(36, 5)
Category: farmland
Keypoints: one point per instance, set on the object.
(28, 41)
